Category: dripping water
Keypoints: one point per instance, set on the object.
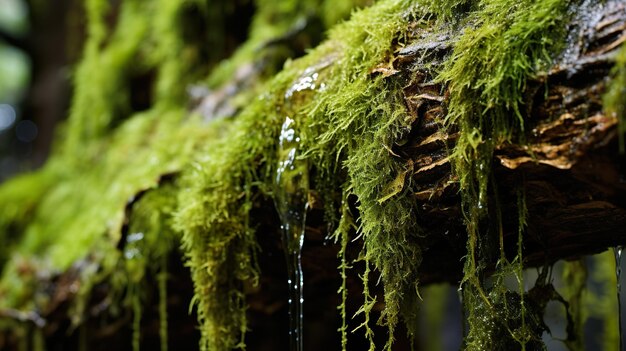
(617, 251)
(290, 197)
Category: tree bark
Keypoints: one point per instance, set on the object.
(572, 175)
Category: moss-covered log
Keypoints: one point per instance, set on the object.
(457, 141)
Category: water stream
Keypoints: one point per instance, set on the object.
(617, 251)
(290, 197)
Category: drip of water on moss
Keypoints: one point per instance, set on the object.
(617, 251)
(290, 197)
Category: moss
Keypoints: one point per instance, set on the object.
(101, 97)
(575, 277)
(213, 214)
(84, 191)
(20, 197)
(434, 312)
(73, 210)
(615, 96)
(148, 243)
(341, 235)
(279, 32)
(602, 299)
(358, 118)
(504, 45)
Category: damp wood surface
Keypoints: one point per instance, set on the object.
(569, 163)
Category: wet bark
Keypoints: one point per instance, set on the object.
(568, 168)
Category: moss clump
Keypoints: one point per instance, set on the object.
(502, 329)
(147, 245)
(73, 209)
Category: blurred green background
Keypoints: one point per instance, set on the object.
(39, 42)
(15, 67)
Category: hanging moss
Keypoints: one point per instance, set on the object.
(601, 299)
(504, 46)
(103, 193)
(358, 124)
(434, 314)
(575, 277)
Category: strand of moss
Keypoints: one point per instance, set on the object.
(368, 304)
(575, 277)
(342, 235)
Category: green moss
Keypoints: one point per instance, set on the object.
(615, 96)
(279, 32)
(101, 78)
(602, 300)
(358, 118)
(504, 45)
(341, 235)
(434, 314)
(149, 241)
(112, 153)
(575, 277)
(20, 197)
(214, 211)
(73, 210)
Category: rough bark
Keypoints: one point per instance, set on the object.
(572, 175)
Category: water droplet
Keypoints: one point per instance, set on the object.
(307, 81)
(131, 253)
(134, 237)
(290, 198)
